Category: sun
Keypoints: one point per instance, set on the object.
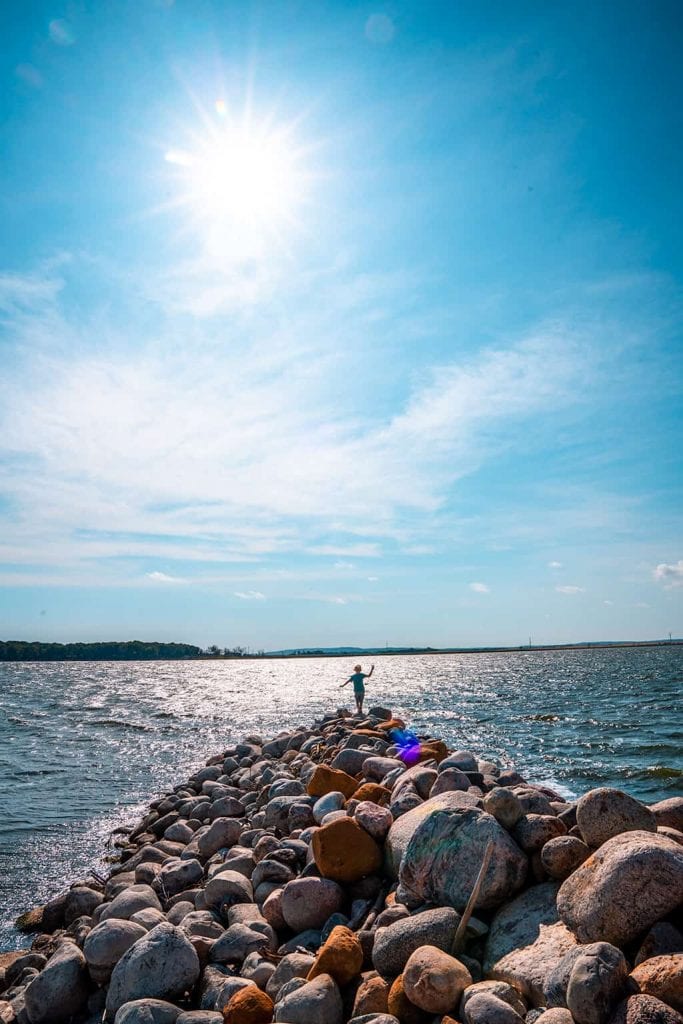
(242, 183)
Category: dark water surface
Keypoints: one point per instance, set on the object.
(84, 746)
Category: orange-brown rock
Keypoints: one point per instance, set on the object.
(393, 723)
(662, 977)
(401, 1006)
(373, 792)
(372, 995)
(249, 1006)
(326, 780)
(344, 852)
(368, 732)
(341, 956)
(436, 750)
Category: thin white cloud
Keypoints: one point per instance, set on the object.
(162, 577)
(570, 589)
(480, 588)
(250, 595)
(554, 565)
(608, 602)
(373, 579)
(670, 575)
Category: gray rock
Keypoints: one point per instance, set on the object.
(526, 942)
(227, 888)
(223, 832)
(162, 965)
(504, 806)
(129, 901)
(80, 902)
(403, 828)
(443, 857)
(500, 989)
(147, 1011)
(669, 812)
(375, 1018)
(486, 1008)
(557, 980)
(374, 819)
(597, 982)
(200, 1017)
(105, 945)
(149, 918)
(351, 761)
(236, 943)
(277, 811)
(60, 991)
(420, 777)
(317, 1002)
(562, 855)
(641, 1009)
(605, 812)
(325, 804)
(450, 780)
(434, 980)
(462, 759)
(631, 882)
(226, 807)
(394, 944)
(177, 875)
(308, 902)
(533, 831)
(293, 965)
(375, 769)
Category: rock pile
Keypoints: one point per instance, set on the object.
(356, 872)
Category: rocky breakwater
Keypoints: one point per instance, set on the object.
(356, 872)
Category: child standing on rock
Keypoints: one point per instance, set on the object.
(358, 679)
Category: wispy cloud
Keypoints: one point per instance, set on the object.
(554, 565)
(479, 588)
(250, 595)
(570, 589)
(162, 577)
(671, 575)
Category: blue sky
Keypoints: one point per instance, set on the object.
(340, 323)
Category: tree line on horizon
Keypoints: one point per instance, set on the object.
(128, 650)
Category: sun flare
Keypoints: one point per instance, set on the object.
(241, 182)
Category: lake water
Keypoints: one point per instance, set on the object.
(84, 746)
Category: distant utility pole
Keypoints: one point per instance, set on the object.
(529, 641)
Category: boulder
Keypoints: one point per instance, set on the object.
(328, 780)
(315, 1002)
(80, 902)
(596, 984)
(200, 1017)
(222, 833)
(500, 989)
(486, 1008)
(129, 901)
(605, 812)
(293, 965)
(555, 1016)
(350, 761)
(249, 1006)
(444, 854)
(645, 1010)
(105, 945)
(669, 812)
(562, 855)
(147, 1011)
(371, 995)
(162, 965)
(344, 851)
(526, 942)
(434, 980)
(504, 806)
(401, 1008)
(236, 943)
(661, 940)
(229, 887)
(374, 819)
(178, 875)
(341, 957)
(373, 792)
(404, 827)
(308, 902)
(60, 991)
(395, 944)
(632, 881)
(533, 831)
(662, 977)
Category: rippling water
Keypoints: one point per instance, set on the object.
(84, 746)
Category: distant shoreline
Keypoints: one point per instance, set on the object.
(13, 652)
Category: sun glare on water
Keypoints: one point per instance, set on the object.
(242, 183)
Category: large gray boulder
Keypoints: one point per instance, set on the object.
(526, 941)
(596, 984)
(177, 875)
(129, 901)
(60, 991)
(395, 943)
(309, 902)
(605, 812)
(401, 832)
(105, 945)
(223, 832)
(315, 1002)
(162, 965)
(632, 881)
(444, 854)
